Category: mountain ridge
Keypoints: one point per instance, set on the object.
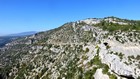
(77, 50)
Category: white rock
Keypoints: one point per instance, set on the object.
(100, 75)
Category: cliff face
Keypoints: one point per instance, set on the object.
(105, 48)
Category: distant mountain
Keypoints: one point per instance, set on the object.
(11, 37)
(23, 33)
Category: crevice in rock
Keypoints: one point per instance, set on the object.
(105, 43)
(124, 76)
(128, 77)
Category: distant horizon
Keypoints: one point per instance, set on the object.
(19, 33)
(40, 15)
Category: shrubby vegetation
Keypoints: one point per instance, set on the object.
(132, 25)
(97, 61)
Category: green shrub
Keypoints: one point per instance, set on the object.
(121, 55)
(105, 68)
(107, 47)
(112, 76)
(87, 50)
(89, 74)
(138, 57)
(84, 57)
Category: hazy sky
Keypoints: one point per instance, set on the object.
(36, 15)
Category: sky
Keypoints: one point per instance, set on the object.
(39, 15)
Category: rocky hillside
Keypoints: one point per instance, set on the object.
(94, 48)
